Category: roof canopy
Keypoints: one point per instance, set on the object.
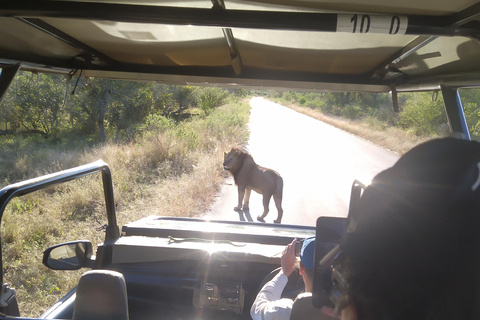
(344, 45)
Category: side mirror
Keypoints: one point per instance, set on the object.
(68, 256)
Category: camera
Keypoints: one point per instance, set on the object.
(298, 247)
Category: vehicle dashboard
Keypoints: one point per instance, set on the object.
(198, 276)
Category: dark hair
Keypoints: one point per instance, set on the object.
(416, 249)
(308, 272)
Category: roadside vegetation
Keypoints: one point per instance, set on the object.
(165, 158)
(164, 145)
(371, 116)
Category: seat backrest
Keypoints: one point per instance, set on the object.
(303, 309)
(101, 295)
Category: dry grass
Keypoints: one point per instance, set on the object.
(173, 171)
(389, 138)
(188, 195)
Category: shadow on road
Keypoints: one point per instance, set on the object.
(244, 215)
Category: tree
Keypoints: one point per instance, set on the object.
(94, 97)
(101, 104)
(34, 103)
(211, 97)
(422, 115)
(7, 106)
(173, 100)
(132, 103)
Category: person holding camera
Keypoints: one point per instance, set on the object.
(269, 304)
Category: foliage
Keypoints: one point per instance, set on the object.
(224, 124)
(351, 112)
(419, 114)
(422, 115)
(384, 114)
(472, 114)
(345, 104)
(99, 108)
(101, 104)
(134, 101)
(33, 104)
(169, 167)
(471, 104)
(172, 101)
(156, 123)
(211, 97)
(240, 93)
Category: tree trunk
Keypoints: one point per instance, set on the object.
(101, 129)
(102, 106)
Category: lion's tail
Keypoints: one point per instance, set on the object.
(279, 189)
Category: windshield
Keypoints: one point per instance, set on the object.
(169, 143)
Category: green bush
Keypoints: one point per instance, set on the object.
(211, 98)
(421, 115)
(275, 94)
(385, 115)
(225, 122)
(156, 122)
(472, 114)
(375, 123)
(288, 96)
(188, 136)
(351, 112)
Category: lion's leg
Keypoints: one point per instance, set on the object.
(266, 203)
(246, 200)
(278, 203)
(241, 193)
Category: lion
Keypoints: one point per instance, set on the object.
(250, 176)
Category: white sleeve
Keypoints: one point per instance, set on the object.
(268, 304)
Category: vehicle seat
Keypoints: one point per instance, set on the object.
(101, 295)
(303, 309)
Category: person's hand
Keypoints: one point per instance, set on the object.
(288, 260)
(329, 312)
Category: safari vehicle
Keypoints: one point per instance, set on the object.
(191, 268)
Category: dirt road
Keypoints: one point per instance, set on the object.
(318, 163)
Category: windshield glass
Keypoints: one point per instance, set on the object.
(167, 145)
